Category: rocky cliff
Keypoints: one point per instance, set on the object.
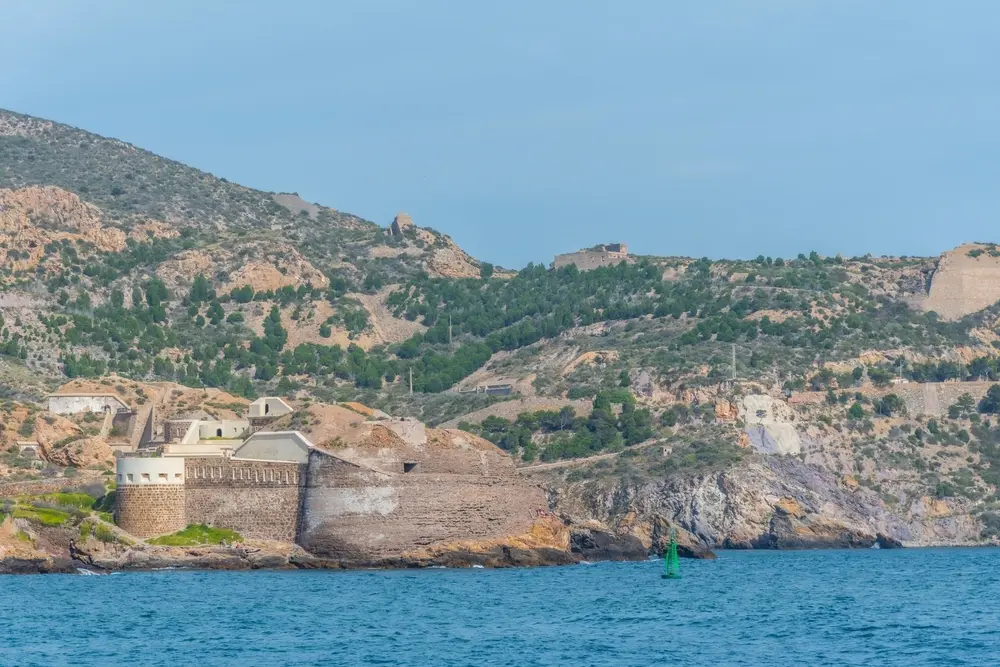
(764, 502)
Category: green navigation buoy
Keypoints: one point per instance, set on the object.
(671, 564)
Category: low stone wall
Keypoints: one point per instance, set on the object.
(150, 510)
(934, 398)
(258, 499)
(921, 398)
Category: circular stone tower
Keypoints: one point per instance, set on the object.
(150, 498)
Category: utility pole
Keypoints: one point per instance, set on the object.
(734, 364)
(411, 380)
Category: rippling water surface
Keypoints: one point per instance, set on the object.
(901, 607)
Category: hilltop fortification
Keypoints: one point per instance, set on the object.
(967, 279)
(594, 258)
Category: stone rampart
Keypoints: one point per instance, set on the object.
(590, 259)
(258, 499)
(353, 512)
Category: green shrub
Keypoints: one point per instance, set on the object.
(195, 535)
(77, 500)
(43, 515)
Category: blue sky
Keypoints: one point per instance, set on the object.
(720, 128)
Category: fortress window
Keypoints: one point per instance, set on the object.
(145, 476)
(177, 475)
(218, 432)
(130, 477)
(119, 477)
(409, 467)
(162, 475)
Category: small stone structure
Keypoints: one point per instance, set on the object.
(275, 446)
(400, 224)
(609, 254)
(269, 406)
(198, 434)
(265, 410)
(71, 404)
(27, 449)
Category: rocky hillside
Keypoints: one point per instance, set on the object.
(765, 402)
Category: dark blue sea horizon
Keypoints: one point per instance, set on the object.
(861, 607)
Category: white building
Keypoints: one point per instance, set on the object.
(275, 446)
(71, 404)
(270, 406)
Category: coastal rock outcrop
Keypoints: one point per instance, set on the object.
(764, 502)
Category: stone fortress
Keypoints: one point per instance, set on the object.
(374, 489)
(609, 254)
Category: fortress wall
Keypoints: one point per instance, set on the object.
(449, 460)
(473, 462)
(963, 284)
(150, 509)
(356, 513)
(258, 499)
(590, 259)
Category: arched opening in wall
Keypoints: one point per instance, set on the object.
(409, 467)
(267, 408)
(218, 432)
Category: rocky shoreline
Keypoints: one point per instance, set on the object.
(61, 555)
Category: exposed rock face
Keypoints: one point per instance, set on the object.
(263, 266)
(593, 543)
(725, 411)
(278, 270)
(965, 283)
(32, 217)
(81, 453)
(769, 428)
(763, 502)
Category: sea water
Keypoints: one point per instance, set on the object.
(863, 607)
